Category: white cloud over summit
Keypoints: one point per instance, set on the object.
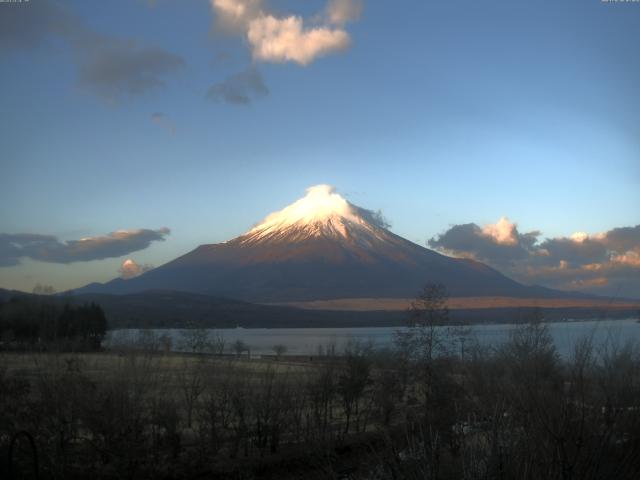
(321, 202)
(287, 38)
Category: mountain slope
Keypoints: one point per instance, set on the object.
(320, 247)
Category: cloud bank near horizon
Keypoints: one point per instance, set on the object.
(605, 263)
(48, 248)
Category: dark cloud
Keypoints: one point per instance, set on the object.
(161, 119)
(239, 89)
(123, 68)
(623, 239)
(372, 216)
(574, 252)
(47, 248)
(15, 246)
(606, 263)
(469, 240)
(20, 28)
(109, 67)
(27, 25)
(608, 278)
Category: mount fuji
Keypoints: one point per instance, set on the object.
(321, 247)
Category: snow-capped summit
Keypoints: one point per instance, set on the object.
(322, 212)
(319, 247)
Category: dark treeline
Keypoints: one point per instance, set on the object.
(38, 322)
(169, 309)
(434, 407)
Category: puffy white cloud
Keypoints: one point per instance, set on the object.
(579, 236)
(503, 232)
(131, 269)
(235, 15)
(279, 39)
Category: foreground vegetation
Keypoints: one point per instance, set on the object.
(518, 412)
(436, 406)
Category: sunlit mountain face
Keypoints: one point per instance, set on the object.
(320, 247)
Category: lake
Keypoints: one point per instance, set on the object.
(308, 341)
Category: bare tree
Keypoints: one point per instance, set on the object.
(192, 385)
(354, 378)
(166, 342)
(427, 334)
(239, 347)
(279, 350)
(195, 338)
(322, 389)
(147, 341)
(217, 343)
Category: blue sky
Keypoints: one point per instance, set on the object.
(437, 113)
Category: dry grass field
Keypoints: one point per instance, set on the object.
(167, 369)
(403, 414)
(461, 303)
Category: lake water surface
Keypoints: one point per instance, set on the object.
(308, 341)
